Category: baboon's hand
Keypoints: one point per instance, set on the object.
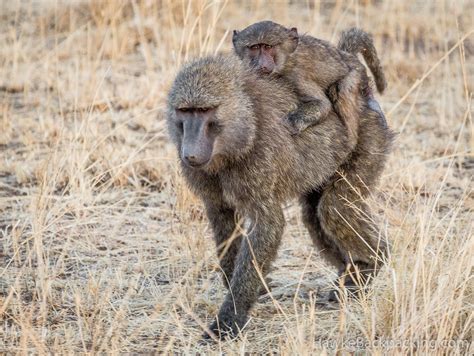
(311, 111)
(225, 326)
(294, 124)
(333, 92)
(261, 245)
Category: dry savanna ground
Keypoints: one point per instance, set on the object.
(104, 249)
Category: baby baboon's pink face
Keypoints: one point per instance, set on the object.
(265, 46)
(262, 57)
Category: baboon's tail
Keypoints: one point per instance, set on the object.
(356, 41)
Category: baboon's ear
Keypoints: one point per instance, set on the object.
(294, 39)
(294, 32)
(235, 35)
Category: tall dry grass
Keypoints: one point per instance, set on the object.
(102, 247)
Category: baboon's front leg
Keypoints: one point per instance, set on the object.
(257, 252)
(223, 222)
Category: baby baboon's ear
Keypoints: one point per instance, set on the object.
(293, 33)
(294, 38)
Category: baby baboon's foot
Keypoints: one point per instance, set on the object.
(333, 92)
(375, 106)
(295, 124)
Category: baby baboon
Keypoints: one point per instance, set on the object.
(312, 65)
(241, 161)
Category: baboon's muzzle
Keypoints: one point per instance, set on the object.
(197, 146)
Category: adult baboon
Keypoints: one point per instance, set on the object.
(240, 160)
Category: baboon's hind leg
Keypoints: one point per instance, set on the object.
(329, 251)
(346, 220)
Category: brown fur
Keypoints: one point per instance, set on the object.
(257, 165)
(313, 67)
(356, 41)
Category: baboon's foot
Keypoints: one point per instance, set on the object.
(226, 326)
(355, 282)
(295, 125)
(351, 289)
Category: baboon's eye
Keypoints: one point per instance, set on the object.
(268, 46)
(203, 110)
(184, 109)
(254, 47)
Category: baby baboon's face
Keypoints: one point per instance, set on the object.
(262, 57)
(265, 46)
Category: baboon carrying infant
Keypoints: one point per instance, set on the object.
(242, 162)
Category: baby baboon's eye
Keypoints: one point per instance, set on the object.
(254, 47)
(268, 46)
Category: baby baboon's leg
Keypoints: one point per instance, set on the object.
(329, 251)
(227, 239)
(348, 103)
(346, 219)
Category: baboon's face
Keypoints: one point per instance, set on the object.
(198, 129)
(207, 135)
(262, 57)
(265, 46)
(210, 118)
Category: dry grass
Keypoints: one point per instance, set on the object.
(102, 247)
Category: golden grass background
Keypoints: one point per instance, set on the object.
(102, 247)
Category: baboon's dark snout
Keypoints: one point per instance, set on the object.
(195, 161)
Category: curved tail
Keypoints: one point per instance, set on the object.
(356, 41)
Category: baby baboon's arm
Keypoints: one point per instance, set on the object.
(314, 105)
